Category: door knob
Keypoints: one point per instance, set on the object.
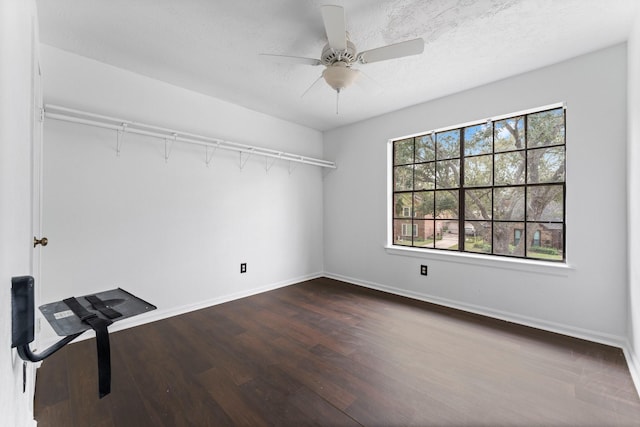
(44, 241)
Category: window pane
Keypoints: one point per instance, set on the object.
(478, 171)
(423, 204)
(402, 229)
(448, 174)
(508, 203)
(448, 144)
(509, 134)
(477, 236)
(425, 176)
(545, 165)
(512, 187)
(447, 234)
(477, 204)
(545, 203)
(402, 203)
(425, 149)
(504, 238)
(545, 128)
(425, 234)
(403, 152)
(545, 241)
(403, 178)
(447, 204)
(478, 139)
(509, 169)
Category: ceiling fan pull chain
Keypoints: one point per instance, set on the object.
(337, 100)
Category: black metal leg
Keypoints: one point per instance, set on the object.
(26, 354)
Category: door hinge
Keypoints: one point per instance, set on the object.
(42, 114)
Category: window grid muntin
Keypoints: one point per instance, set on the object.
(461, 220)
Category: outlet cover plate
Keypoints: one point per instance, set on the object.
(423, 270)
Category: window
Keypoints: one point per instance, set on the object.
(517, 234)
(406, 233)
(536, 238)
(495, 187)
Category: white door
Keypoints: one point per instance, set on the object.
(36, 185)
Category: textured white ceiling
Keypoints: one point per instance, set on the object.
(212, 46)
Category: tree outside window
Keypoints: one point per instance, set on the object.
(494, 188)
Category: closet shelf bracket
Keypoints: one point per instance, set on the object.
(119, 137)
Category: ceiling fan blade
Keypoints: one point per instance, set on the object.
(335, 26)
(310, 87)
(398, 50)
(290, 59)
(369, 84)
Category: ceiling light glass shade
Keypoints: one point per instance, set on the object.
(339, 76)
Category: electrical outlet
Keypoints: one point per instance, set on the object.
(243, 267)
(423, 270)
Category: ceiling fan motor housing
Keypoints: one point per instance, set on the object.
(330, 56)
(339, 54)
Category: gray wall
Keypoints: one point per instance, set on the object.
(172, 232)
(588, 298)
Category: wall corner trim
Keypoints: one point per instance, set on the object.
(634, 364)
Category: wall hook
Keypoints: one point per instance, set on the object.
(22, 325)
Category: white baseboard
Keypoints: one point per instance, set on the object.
(599, 337)
(613, 340)
(156, 315)
(634, 364)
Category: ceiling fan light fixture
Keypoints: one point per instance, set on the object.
(340, 53)
(340, 76)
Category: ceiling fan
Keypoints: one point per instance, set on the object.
(339, 54)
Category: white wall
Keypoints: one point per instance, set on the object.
(588, 299)
(18, 35)
(633, 190)
(174, 232)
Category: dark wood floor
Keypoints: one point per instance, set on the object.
(331, 354)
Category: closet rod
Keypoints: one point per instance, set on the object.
(57, 112)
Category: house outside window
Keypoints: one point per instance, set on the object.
(517, 234)
(495, 187)
(406, 230)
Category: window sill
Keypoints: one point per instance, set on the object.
(492, 261)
